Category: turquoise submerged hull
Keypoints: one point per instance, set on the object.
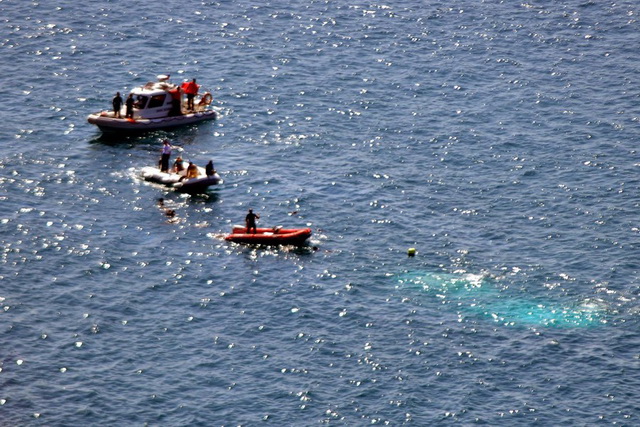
(478, 295)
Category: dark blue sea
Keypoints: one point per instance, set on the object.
(498, 139)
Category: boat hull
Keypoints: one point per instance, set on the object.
(110, 125)
(270, 236)
(178, 182)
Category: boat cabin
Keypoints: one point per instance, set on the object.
(157, 99)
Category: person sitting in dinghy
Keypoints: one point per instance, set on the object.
(192, 171)
(209, 169)
(178, 166)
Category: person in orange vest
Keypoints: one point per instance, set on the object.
(191, 89)
(176, 107)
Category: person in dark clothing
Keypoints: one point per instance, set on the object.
(129, 103)
(209, 168)
(117, 105)
(250, 220)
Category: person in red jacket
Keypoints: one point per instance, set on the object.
(176, 105)
(191, 89)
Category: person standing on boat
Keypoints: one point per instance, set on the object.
(191, 89)
(166, 154)
(250, 221)
(117, 105)
(176, 105)
(129, 103)
(209, 168)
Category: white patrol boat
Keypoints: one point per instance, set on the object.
(157, 105)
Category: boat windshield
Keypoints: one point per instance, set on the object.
(141, 101)
(156, 101)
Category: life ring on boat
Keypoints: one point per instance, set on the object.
(206, 99)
